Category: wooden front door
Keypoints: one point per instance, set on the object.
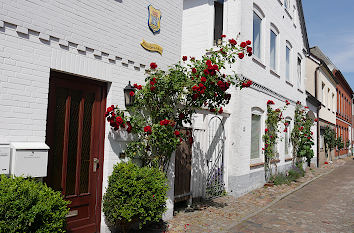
(183, 168)
(75, 135)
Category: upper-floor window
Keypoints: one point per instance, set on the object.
(273, 49)
(333, 103)
(257, 23)
(218, 20)
(323, 94)
(286, 4)
(287, 68)
(328, 99)
(299, 72)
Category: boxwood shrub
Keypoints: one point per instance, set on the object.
(27, 205)
(134, 195)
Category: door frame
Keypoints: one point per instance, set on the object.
(101, 129)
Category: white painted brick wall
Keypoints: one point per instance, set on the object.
(37, 36)
(197, 35)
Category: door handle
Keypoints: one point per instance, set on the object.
(95, 164)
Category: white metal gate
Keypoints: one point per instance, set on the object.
(215, 185)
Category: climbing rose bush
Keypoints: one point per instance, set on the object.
(271, 135)
(169, 98)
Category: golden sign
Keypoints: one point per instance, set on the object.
(152, 47)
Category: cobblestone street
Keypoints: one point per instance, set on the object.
(220, 214)
(325, 205)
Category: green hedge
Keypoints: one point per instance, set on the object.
(27, 205)
(134, 195)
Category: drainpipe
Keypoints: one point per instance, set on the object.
(318, 117)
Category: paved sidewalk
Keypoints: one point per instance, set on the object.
(222, 213)
(325, 205)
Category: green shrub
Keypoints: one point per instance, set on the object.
(27, 205)
(134, 195)
(292, 175)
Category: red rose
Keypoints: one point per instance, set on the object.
(266, 130)
(194, 70)
(306, 107)
(287, 102)
(132, 93)
(184, 58)
(232, 42)
(269, 102)
(248, 42)
(250, 54)
(140, 87)
(309, 138)
(212, 110)
(249, 49)
(177, 133)
(152, 88)
(203, 79)
(223, 36)
(109, 109)
(192, 58)
(311, 133)
(195, 96)
(221, 110)
(208, 63)
(153, 65)
(243, 44)
(147, 129)
(241, 55)
(286, 130)
(119, 120)
(316, 119)
(181, 116)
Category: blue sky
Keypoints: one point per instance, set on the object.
(330, 25)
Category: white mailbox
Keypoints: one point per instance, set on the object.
(4, 158)
(29, 159)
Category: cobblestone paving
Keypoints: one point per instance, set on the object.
(221, 213)
(325, 205)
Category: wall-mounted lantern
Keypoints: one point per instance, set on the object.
(129, 95)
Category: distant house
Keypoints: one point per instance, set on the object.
(277, 68)
(321, 83)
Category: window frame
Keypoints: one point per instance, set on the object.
(288, 69)
(299, 75)
(258, 12)
(274, 29)
(258, 112)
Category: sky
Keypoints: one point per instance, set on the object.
(330, 25)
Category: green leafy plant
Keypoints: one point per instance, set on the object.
(329, 141)
(339, 144)
(271, 136)
(27, 205)
(347, 144)
(134, 195)
(170, 98)
(302, 136)
(286, 178)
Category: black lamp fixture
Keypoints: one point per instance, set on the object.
(128, 97)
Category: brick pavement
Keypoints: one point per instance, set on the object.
(219, 214)
(325, 205)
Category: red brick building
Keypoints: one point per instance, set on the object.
(344, 112)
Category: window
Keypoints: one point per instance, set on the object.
(257, 21)
(287, 138)
(273, 50)
(333, 108)
(328, 99)
(255, 136)
(287, 74)
(323, 94)
(299, 72)
(286, 4)
(218, 20)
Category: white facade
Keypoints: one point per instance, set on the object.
(243, 173)
(94, 39)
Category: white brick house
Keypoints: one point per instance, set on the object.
(92, 42)
(277, 68)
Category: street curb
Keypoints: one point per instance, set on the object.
(278, 199)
